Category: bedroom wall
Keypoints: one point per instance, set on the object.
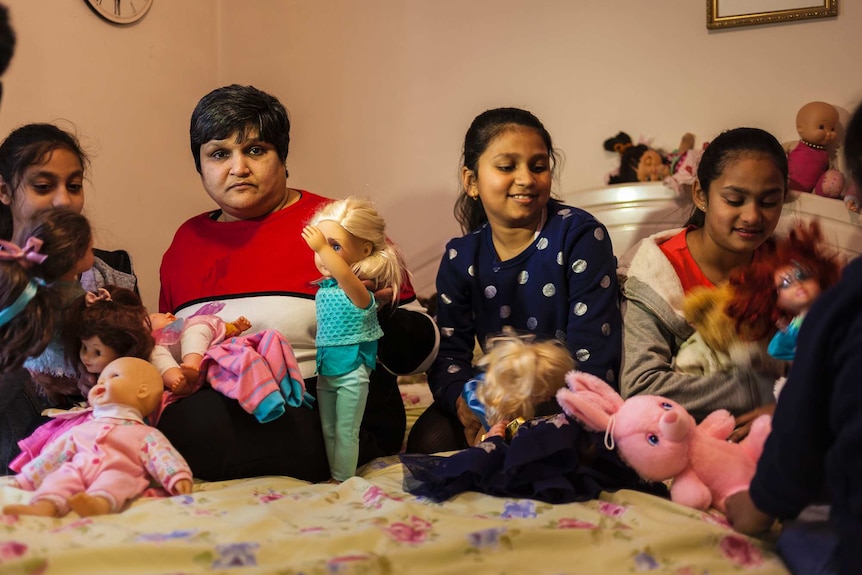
(381, 92)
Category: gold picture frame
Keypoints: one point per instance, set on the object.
(731, 13)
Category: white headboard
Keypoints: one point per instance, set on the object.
(842, 229)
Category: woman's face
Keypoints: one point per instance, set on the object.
(743, 204)
(246, 180)
(95, 355)
(797, 289)
(56, 183)
(513, 178)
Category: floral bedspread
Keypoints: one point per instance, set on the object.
(370, 525)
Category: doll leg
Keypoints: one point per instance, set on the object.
(326, 398)
(87, 505)
(352, 394)
(40, 508)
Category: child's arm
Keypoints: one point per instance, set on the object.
(744, 517)
(340, 270)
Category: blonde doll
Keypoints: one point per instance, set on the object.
(349, 244)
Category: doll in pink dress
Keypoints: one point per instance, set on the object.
(99, 466)
(809, 160)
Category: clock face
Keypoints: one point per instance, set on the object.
(120, 11)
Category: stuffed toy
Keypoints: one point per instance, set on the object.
(716, 345)
(660, 440)
(96, 467)
(811, 160)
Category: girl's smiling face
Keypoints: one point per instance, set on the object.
(95, 355)
(743, 204)
(513, 178)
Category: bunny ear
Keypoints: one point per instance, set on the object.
(589, 400)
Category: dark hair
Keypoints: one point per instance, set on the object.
(66, 236)
(29, 145)
(485, 127)
(853, 146)
(27, 333)
(728, 147)
(239, 110)
(122, 324)
(630, 157)
(7, 40)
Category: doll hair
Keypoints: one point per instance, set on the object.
(116, 316)
(66, 238)
(630, 156)
(28, 309)
(754, 305)
(728, 147)
(30, 145)
(469, 212)
(384, 265)
(520, 374)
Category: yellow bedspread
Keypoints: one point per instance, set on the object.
(370, 525)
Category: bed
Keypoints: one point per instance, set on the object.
(369, 524)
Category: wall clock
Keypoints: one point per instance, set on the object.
(120, 11)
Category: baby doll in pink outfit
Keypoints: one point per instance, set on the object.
(98, 466)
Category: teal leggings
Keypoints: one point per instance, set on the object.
(341, 401)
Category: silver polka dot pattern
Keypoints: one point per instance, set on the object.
(609, 376)
(560, 335)
(453, 253)
(580, 309)
(560, 259)
(579, 267)
(606, 329)
(453, 368)
(523, 277)
(564, 211)
(472, 271)
(599, 234)
(543, 243)
(548, 290)
(445, 298)
(490, 292)
(447, 331)
(606, 282)
(532, 323)
(505, 311)
(582, 355)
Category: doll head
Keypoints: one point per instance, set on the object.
(368, 253)
(520, 374)
(130, 381)
(28, 309)
(161, 320)
(485, 128)
(638, 163)
(770, 293)
(67, 240)
(817, 123)
(112, 322)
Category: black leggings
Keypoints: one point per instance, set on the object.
(220, 440)
(436, 430)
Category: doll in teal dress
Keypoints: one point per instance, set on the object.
(351, 251)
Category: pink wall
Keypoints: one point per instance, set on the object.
(381, 92)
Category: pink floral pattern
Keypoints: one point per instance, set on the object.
(416, 530)
(740, 550)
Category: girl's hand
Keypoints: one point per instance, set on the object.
(314, 238)
(744, 517)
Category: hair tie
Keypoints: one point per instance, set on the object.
(619, 147)
(99, 295)
(27, 294)
(26, 256)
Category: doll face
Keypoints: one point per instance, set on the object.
(651, 167)
(95, 355)
(127, 381)
(797, 288)
(160, 320)
(817, 123)
(349, 247)
(513, 179)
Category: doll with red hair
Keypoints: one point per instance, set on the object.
(779, 292)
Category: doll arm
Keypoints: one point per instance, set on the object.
(54, 454)
(686, 143)
(236, 327)
(164, 463)
(340, 269)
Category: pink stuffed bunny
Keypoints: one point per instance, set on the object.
(660, 440)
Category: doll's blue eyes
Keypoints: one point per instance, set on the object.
(797, 275)
(666, 405)
(652, 439)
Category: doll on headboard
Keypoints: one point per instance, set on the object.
(810, 161)
(777, 294)
(642, 163)
(549, 457)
